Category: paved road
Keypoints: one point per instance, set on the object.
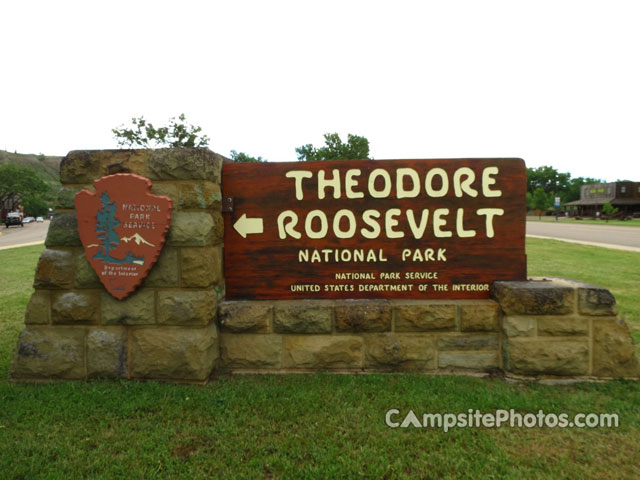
(31, 233)
(623, 238)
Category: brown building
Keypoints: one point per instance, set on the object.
(623, 195)
(8, 206)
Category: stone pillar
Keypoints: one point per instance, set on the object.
(563, 328)
(166, 329)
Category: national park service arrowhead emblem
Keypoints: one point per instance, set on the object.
(122, 228)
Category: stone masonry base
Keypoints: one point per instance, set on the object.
(542, 329)
(359, 335)
(551, 328)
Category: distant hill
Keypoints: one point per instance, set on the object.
(48, 167)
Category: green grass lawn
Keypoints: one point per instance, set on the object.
(314, 426)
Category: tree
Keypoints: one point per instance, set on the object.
(553, 183)
(106, 225)
(241, 157)
(556, 184)
(529, 198)
(20, 184)
(609, 210)
(547, 178)
(539, 201)
(35, 206)
(356, 148)
(179, 133)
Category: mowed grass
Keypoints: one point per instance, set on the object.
(306, 426)
(17, 268)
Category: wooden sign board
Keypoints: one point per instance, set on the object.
(410, 229)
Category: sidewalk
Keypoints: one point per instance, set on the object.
(593, 244)
(16, 245)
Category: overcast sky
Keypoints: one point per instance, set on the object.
(554, 82)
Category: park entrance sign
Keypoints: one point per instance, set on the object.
(263, 277)
(410, 229)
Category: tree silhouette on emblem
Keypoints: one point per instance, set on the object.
(105, 227)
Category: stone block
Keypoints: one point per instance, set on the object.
(250, 351)
(85, 166)
(184, 164)
(479, 361)
(85, 275)
(55, 269)
(49, 352)
(63, 231)
(530, 356)
(566, 325)
(594, 300)
(38, 309)
(419, 317)
(75, 308)
(363, 316)
(536, 297)
(167, 189)
(303, 317)
(203, 195)
(64, 198)
(218, 227)
(479, 318)
(400, 352)
(191, 229)
(468, 342)
(107, 353)
(516, 326)
(80, 166)
(124, 161)
(66, 194)
(165, 271)
(183, 307)
(614, 353)
(137, 309)
(245, 317)
(201, 267)
(173, 353)
(323, 352)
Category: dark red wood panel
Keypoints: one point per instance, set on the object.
(407, 258)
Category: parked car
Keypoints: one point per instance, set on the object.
(615, 216)
(28, 220)
(39, 219)
(13, 218)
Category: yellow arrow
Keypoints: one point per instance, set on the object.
(244, 226)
